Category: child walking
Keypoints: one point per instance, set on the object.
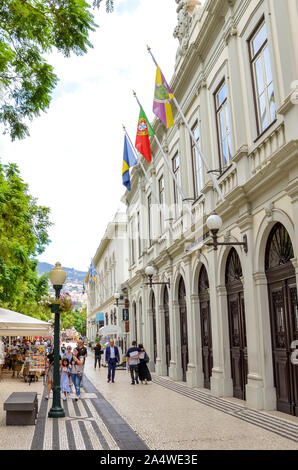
(65, 373)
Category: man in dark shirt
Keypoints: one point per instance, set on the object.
(97, 353)
(132, 357)
(82, 350)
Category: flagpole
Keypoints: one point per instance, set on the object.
(215, 183)
(147, 178)
(175, 179)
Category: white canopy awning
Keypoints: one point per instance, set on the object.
(110, 330)
(17, 324)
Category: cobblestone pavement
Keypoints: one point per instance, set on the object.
(161, 415)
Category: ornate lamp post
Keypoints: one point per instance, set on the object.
(214, 223)
(57, 278)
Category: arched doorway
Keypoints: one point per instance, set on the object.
(205, 326)
(183, 327)
(154, 326)
(167, 327)
(237, 329)
(282, 291)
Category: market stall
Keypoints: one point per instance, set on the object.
(16, 324)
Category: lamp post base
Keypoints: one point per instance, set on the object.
(56, 412)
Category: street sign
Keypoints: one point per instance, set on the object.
(125, 314)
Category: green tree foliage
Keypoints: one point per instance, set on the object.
(29, 29)
(23, 236)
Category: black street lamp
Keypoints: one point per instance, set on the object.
(214, 223)
(57, 277)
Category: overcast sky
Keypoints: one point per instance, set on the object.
(72, 160)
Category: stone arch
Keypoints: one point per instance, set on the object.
(263, 233)
(224, 252)
(176, 279)
(202, 260)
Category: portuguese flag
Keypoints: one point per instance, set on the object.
(144, 131)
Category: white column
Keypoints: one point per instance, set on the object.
(196, 331)
(221, 380)
(161, 365)
(192, 366)
(266, 361)
(175, 371)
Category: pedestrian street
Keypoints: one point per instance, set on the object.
(123, 417)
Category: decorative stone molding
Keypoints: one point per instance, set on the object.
(269, 211)
(230, 30)
(221, 291)
(292, 190)
(294, 262)
(260, 279)
(182, 30)
(202, 83)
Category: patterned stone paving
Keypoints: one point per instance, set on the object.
(90, 423)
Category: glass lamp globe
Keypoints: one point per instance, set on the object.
(57, 275)
(117, 296)
(149, 270)
(214, 222)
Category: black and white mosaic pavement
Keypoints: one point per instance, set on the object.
(89, 424)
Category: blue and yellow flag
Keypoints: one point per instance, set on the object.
(129, 161)
(92, 273)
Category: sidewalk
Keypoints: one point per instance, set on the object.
(170, 416)
(163, 415)
(16, 437)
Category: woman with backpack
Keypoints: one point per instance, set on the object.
(144, 374)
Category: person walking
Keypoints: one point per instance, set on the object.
(77, 371)
(144, 373)
(97, 355)
(112, 359)
(132, 358)
(68, 355)
(65, 373)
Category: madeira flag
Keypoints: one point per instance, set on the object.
(144, 131)
(128, 161)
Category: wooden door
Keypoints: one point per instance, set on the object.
(206, 335)
(282, 291)
(237, 329)
(154, 327)
(183, 328)
(167, 328)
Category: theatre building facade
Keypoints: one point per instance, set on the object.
(225, 319)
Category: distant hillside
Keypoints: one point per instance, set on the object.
(72, 275)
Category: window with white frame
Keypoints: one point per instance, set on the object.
(223, 125)
(262, 78)
(197, 162)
